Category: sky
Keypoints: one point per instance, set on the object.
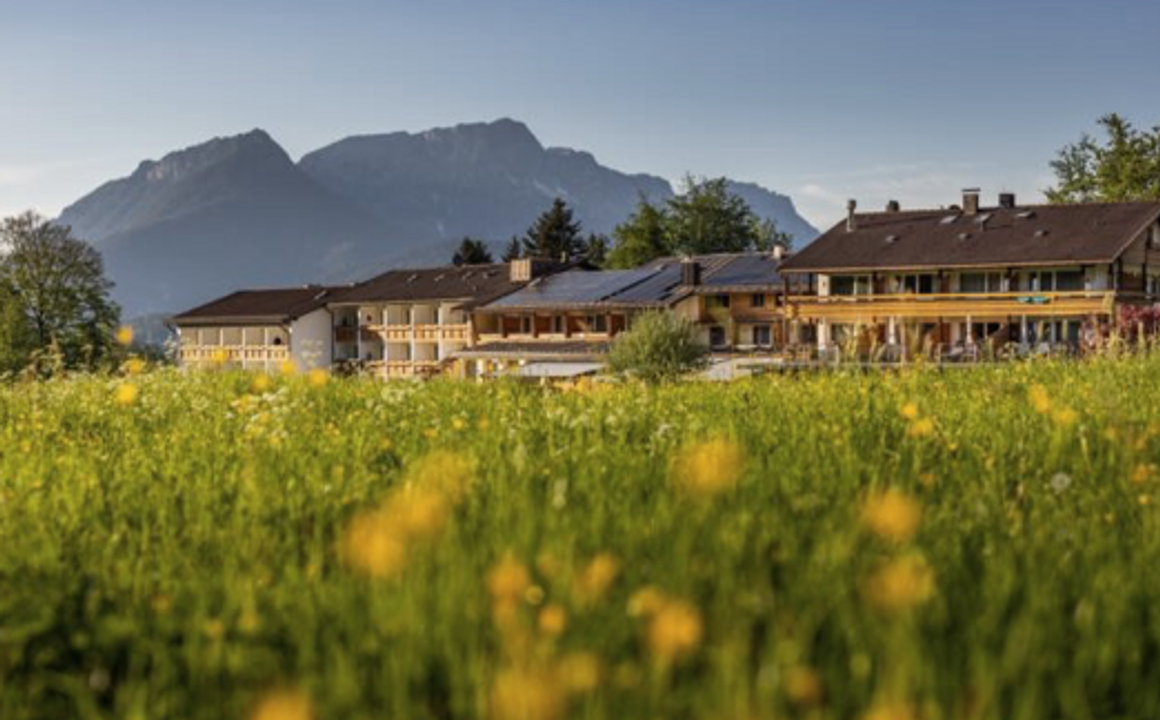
(823, 100)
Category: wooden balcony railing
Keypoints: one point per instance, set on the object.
(867, 308)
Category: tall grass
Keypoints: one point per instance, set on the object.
(977, 543)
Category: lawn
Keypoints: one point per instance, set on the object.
(916, 545)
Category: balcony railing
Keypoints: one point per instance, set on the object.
(853, 308)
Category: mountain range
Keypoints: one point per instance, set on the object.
(239, 212)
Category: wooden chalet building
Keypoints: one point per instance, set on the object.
(563, 323)
(971, 279)
(258, 330)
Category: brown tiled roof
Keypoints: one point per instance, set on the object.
(1029, 235)
(473, 284)
(244, 307)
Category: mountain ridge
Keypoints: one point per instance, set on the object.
(239, 211)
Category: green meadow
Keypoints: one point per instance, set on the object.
(925, 544)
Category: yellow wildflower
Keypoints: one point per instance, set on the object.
(646, 601)
(1066, 417)
(374, 545)
(553, 620)
(1145, 500)
(579, 672)
(891, 515)
(1142, 473)
(125, 335)
(901, 584)
(508, 580)
(1040, 399)
(526, 695)
(458, 423)
(920, 428)
(126, 394)
(134, 366)
(288, 368)
(674, 631)
(891, 711)
(803, 686)
(596, 577)
(261, 383)
(420, 513)
(318, 377)
(910, 411)
(220, 357)
(284, 705)
(710, 467)
(450, 473)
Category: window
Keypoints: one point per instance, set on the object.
(558, 324)
(526, 324)
(762, 336)
(916, 284)
(717, 301)
(757, 300)
(980, 283)
(1069, 281)
(717, 336)
(597, 323)
(842, 285)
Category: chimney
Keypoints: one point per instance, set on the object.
(528, 269)
(1007, 201)
(778, 252)
(971, 201)
(690, 272)
(893, 206)
(851, 218)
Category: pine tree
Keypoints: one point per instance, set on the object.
(555, 234)
(596, 250)
(514, 250)
(472, 252)
(641, 238)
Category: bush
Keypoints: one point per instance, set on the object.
(658, 347)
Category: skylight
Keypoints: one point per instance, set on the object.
(949, 220)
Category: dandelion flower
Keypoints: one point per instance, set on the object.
(674, 631)
(803, 686)
(646, 601)
(1065, 417)
(508, 580)
(124, 335)
(449, 472)
(261, 383)
(891, 515)
(1142, 474)
(134, 366)
(553, 620)
(318, 377)
(526, 695)
(920, 428)
(596, 577)
(901, 584)
(1040, 400)
(284, 705)
(287, 368)
(579, 672)
(374, 545)
(709, 468)
(909, 411)
(891, 711)
(126, 394)
(220, 357)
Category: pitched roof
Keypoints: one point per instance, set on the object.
(270, 306)
(655, 284)
(472, 284)
(1027, 235)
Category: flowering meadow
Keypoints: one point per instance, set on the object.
(916, 545)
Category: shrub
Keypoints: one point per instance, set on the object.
(657, 348)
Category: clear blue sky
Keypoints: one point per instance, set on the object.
(821, 99)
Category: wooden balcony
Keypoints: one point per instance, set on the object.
(197, 354)
(877, 308)
(345, 334)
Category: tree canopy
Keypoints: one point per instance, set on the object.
(555, 234)
(54, 294)
(704, 218)
(472, 252)
(1125, 166)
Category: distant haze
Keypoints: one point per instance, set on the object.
(237, 212)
